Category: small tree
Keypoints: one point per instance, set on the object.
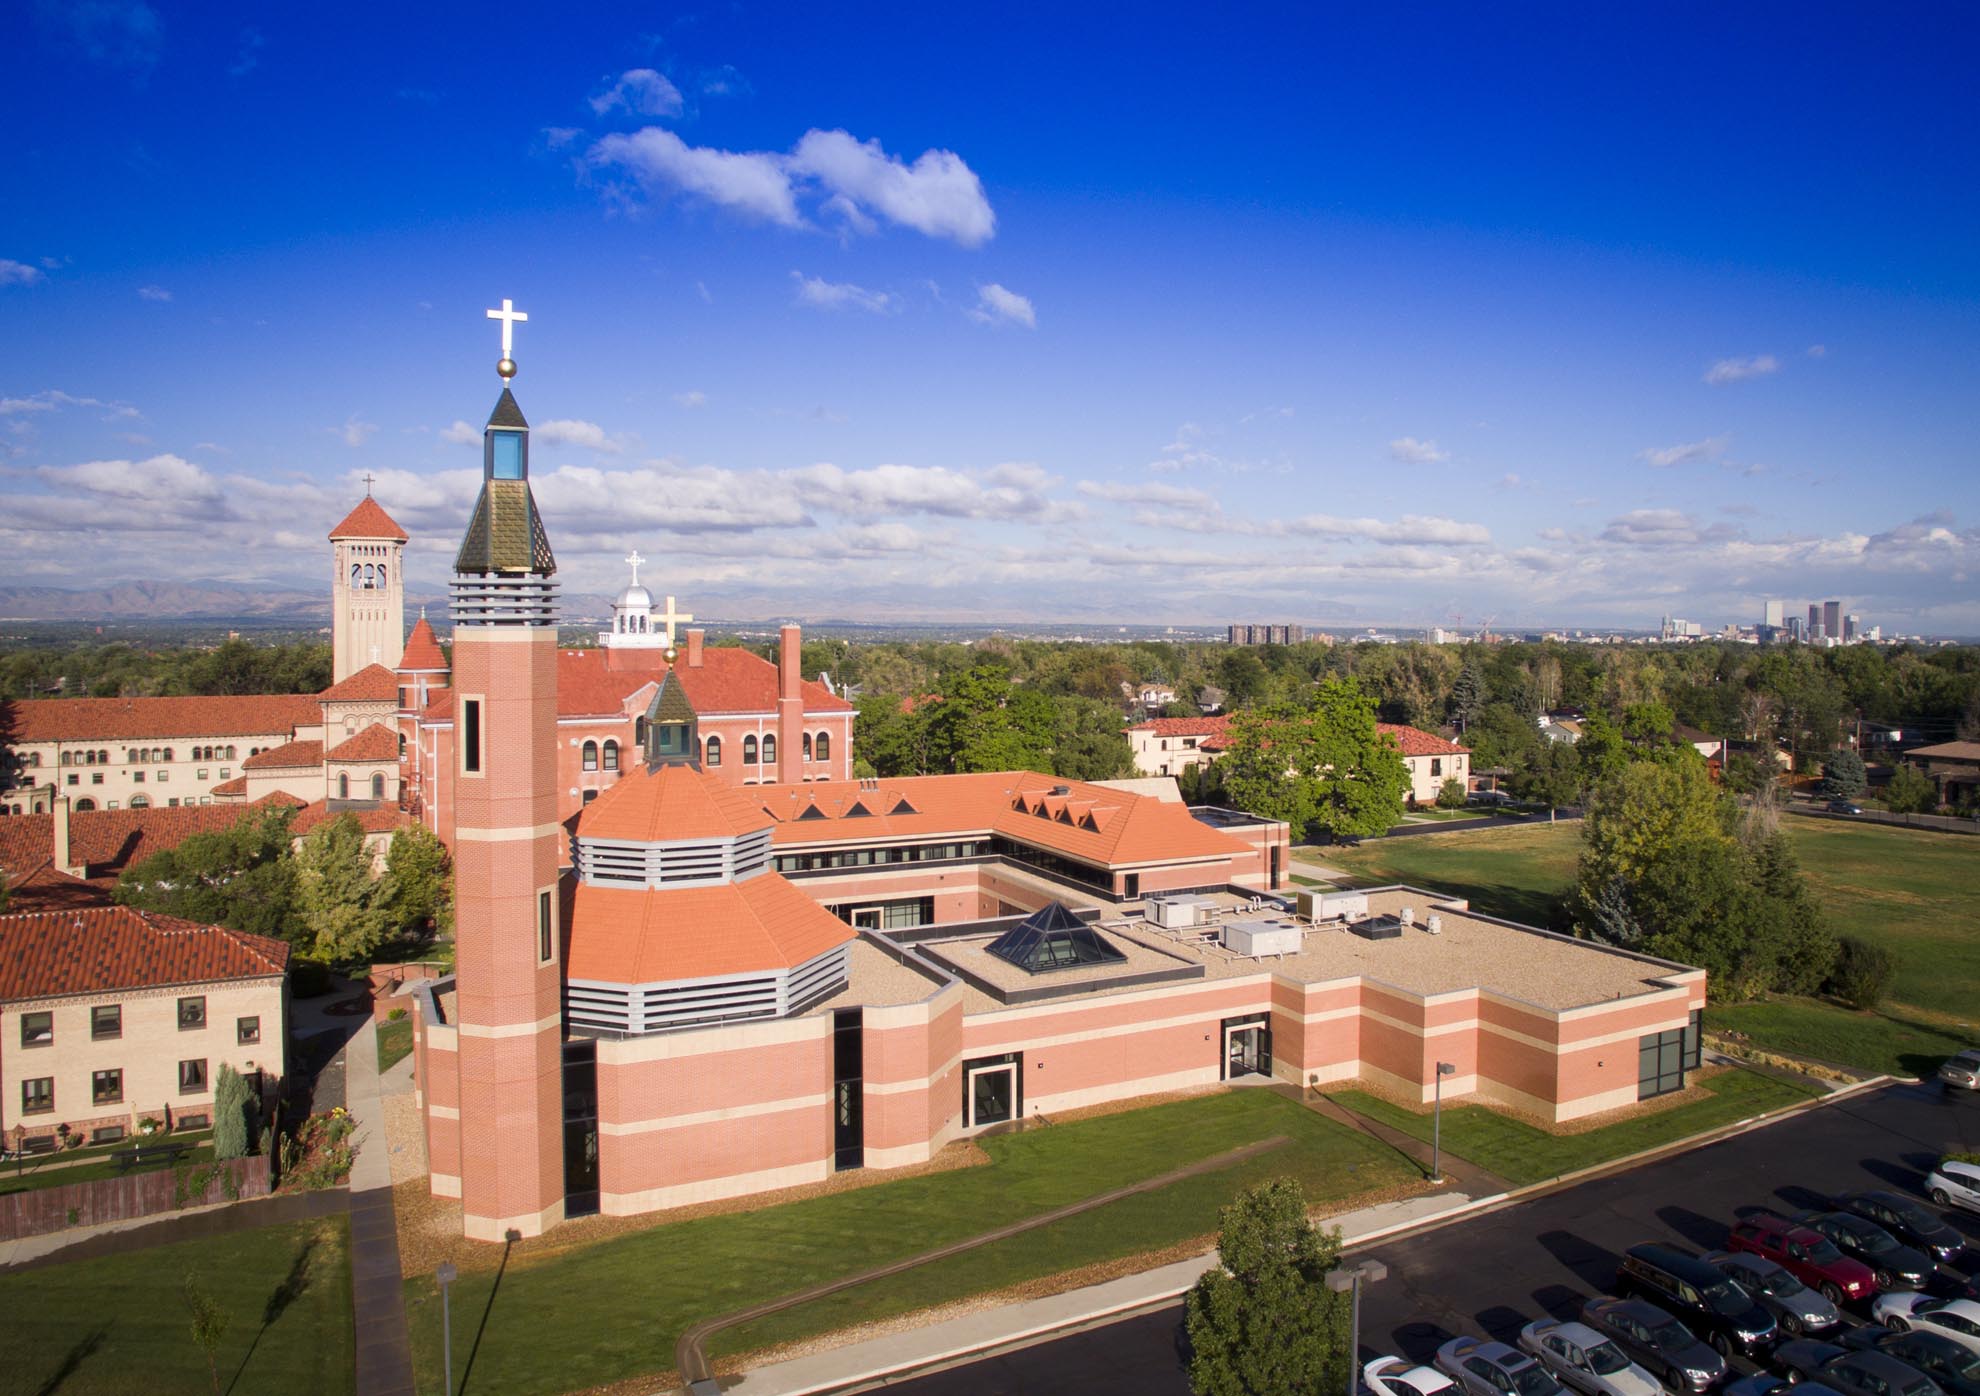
(1911, 791)
(209, 1325)
(1450, 795)
(336, 897)
(1843, 777)
(236, 1118)
(1264, 1322)
(1862, 974)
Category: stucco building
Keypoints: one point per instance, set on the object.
(1168, 746)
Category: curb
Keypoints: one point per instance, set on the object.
(1469, 1208)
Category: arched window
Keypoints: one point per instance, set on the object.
(769, 750)
(639, 733)
(230, 753)
(591, 756)
(402, 746)
(714, 746)
(381, 576)
(822, 748)
(611, 756)
(34, 758)
(167, 756)
(378, 787)
(343, 785)
(807, 746)
(749, 751)
(357, 575)
(140, 802)
(84, 805)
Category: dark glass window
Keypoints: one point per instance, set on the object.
(192, 1076)
(591, 756)
(714, 749)
(106, 1087)
(1660, 1063)
(822, 747)
(471, 736)
(192, 1013)
(106, 1020)
(1693, 1035)
(611, 756)
(37, 1029)
(543, 926)
(247, 1031)
(37, 1095)
(749, 751)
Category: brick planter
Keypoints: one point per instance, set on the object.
(41, 1210)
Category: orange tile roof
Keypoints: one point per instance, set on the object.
(1185, 726)
(382, 820)
(368, 520)
(376, 742)
(96, 949)
(134, 719)
(728, 680)
(107, 840)
(1414, 741)
(423, 650)
(286, 756)
(634, 936)
(48, 888)
(673, 802)
(441, 709)
(374, 683)
(236, 786)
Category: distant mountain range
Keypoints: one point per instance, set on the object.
(162, 601)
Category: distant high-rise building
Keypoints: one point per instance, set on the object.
(1797, 629)
(1773, 613)
(1267, 634)
(1814, 620)
(1852, 629)
(1832, 619)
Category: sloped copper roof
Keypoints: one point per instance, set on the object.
(506, 533)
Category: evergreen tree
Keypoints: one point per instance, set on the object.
(337, 899)
(1610, 919)
(418, 889)
(236, 1118)
(1911, 791)
(1843, 776)
(1264, 1323)
(1467, 697)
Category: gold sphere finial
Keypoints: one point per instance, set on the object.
(507, 368)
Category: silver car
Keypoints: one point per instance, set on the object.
(1585, 1360)
(1397, 1376)
(1482, 1367)
(1962, 1070)
(1798, 1309)
(1955, 1183)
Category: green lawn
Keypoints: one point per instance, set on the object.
(640, 1290)
(394, 1042)
(1521, 1154)
(117, 1326)
(47, 1177)
(1885, 1041)
(1518, 872)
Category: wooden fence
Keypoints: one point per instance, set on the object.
(185, 1184)
(1943, 823)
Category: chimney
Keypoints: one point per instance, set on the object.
(694, 649)
(790, 705)
(790, 646)
(59, 809)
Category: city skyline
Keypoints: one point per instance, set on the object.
(1459, 317)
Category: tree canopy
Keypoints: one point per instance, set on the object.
(1263, 1322)
(241, 877)
(340, 904)
(1320, 764)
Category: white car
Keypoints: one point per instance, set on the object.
(1584, 1360)
(1955, 1184)
(1393, 1376)
(1958, 1319)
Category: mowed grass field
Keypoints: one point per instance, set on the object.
(1918, 894)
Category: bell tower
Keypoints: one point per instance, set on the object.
(368, 590)
(506, 840)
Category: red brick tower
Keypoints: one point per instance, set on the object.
(506, 845)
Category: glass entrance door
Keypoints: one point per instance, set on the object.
(992, 1094)
(1244, 1051)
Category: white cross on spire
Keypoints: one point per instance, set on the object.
(509, 316)
(635, 560)
(369, 481)
(670, 619)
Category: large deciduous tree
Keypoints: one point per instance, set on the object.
(1322, 764)
(418, 892)
(1264, 1323)
(241, 877)
(339, 901)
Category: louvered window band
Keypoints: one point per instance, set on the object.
(488, 598)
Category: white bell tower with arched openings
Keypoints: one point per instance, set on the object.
(368, 591)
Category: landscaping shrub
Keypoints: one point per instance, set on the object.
(1450, 795)
(236, 1116)
(1862, 974)
(319, 1154)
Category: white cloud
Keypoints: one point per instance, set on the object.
(1410, 451)
(1652, 528)
(559, 137)
(1149, 492)
(163, 479)
(639, 92)
(694, 397)
(154, 293)
(1664, 457)
(995, 305)
(52, 398)
(701, 289)
(13, 273)
(1739, 370)
(750, 182)
(572, 432)
(461, 434)
(840, 295)
(1006, 492)
(354, 432)
(1511, 481)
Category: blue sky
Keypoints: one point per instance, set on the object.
(1198, 314)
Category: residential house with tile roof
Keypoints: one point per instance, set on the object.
(1167, 746)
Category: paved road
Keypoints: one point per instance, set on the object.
(1494, 1273)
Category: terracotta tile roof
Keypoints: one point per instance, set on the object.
(368, 520)
(133, 719)
(374, 683)
(673, 802)
(107, 840)
(1185, 726)
(375, 743)
(286, 756)
(382, 820)
(587, 686)
(441, 709)
(634, 936)
(599, 683)
(1414, 741)
(48, 888)
(1094, 823)
(96, 949)
(423, 650)
(236, 786)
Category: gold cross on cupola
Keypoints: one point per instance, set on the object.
(670, 619)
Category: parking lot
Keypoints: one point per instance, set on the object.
(1493, 1273)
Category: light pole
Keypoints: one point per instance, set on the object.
(1437, 1123)
(1349, 1281)
(446, 1274)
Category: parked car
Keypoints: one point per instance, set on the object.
(1806, 1254)
(1482, 1367)
(1955, 1368)
(1894, 1264)
(1585, 1360)
(1488, 797)
(1844, 807)
(1909, 1222)
(1876, 1374)
(1962, 1069)
(1711, 1305)
(1957, 1319)
(1798, 1309)
(1955, 1183)
(1396, 1376)
(1799, 1359)
(1759, 1384)
(1656, 1342)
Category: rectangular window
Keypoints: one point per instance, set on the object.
(192, 1013)
(1693, 1045)
(96, 777)
(37, 1029)
(192, 1076)
(247, 1031)
(106, 1087)
(164, 775)
(38, 1095)
(543, 928)
(471, 736)
(1436, 765)
(106, 1020)
(107, 1134)
(137, 777)
(201, 775)
(1660, 1063)
(226, 773)
(74, 779)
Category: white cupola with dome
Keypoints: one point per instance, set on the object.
(636, 623)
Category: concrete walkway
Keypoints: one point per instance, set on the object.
(384, 1351)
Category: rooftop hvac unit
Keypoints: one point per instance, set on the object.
(1407, 916)
(1256, 938)
(1434, 924)
(1181, 913)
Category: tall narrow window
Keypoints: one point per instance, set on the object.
(823, 746)
(543, 946)
(769, 750)
(749, 751)
(807, 746)
(591, 756)
(471, 736)
(378, 787)
(611, 756)
(714, 749)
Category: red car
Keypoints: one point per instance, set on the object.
(1809, 1255)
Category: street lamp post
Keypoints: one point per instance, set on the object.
(1437, 1123)
(1349, 1281)
(446, 1274)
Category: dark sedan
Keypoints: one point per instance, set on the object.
(1896, 1265)
(1876, 1374)
(1909, 1222)
(1657, 1342)
(1953, 1365)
